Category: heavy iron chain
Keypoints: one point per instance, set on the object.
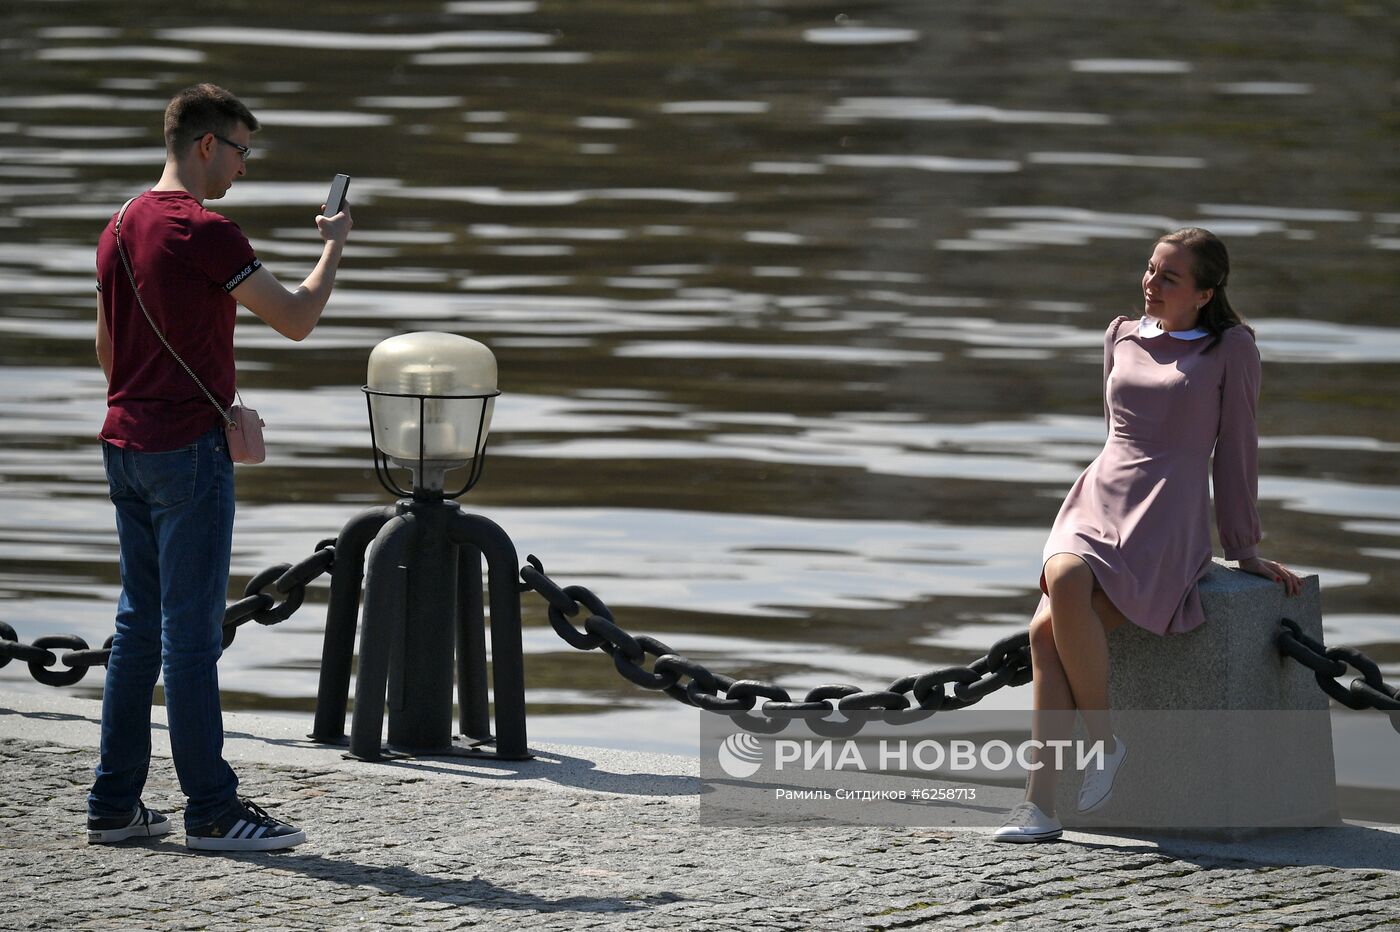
(1368, 691)
(270, 597)
(1008, 663)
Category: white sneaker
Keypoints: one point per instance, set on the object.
(1097, 787)
(1027, 824)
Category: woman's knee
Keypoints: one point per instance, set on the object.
(1068, 574)
(1042, 635)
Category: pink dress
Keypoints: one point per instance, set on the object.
(1140, 514)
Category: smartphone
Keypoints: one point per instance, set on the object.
(335, 201)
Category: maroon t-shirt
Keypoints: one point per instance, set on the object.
(186, 260)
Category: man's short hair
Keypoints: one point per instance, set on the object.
(200, 109)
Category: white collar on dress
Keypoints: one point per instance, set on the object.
(1148, 327)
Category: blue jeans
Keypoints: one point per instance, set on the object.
(175, 528)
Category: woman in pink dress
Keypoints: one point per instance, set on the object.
(1133, 537)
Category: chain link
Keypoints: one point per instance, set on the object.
(1008, 663)
(1368, 691)
(270, 597)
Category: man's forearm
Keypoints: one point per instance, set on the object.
(294, 312)
(316, 289)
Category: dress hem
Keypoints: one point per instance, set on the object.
(1178, 622)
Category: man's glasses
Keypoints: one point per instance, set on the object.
(243, 151)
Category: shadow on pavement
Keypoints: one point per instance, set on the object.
(406, 882)
(1356, 847)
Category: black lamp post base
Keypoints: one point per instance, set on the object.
(424, 628)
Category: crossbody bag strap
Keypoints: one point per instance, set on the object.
(117, 229)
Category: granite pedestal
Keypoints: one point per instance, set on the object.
(1223, 731)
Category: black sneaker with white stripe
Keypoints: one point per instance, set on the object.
(245, 827)
(143, 823)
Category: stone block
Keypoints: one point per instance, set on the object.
(1223, 730)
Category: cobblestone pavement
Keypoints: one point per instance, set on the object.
(429, 845)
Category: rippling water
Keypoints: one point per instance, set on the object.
(798, 308)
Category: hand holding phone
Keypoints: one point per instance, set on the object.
(335, 200)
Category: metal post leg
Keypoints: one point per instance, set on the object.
(507, 653)
(475, 719)
(420, 686)
(382, 634)
(338, 649)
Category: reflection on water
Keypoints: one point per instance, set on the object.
(798, 316)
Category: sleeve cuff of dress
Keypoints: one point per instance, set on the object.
(1243, 553)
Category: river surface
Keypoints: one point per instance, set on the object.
(798, 306)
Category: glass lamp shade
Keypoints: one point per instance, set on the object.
(431, 397)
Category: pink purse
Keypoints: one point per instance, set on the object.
(242, 425)
(243, 430)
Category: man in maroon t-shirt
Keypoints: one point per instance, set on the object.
(168, 467)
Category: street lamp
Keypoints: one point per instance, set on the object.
(430, 398)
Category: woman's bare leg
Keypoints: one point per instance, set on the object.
(1054, 710)
(1053, 698)
(1081, 638)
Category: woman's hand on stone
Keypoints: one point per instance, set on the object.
(1292, 584)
